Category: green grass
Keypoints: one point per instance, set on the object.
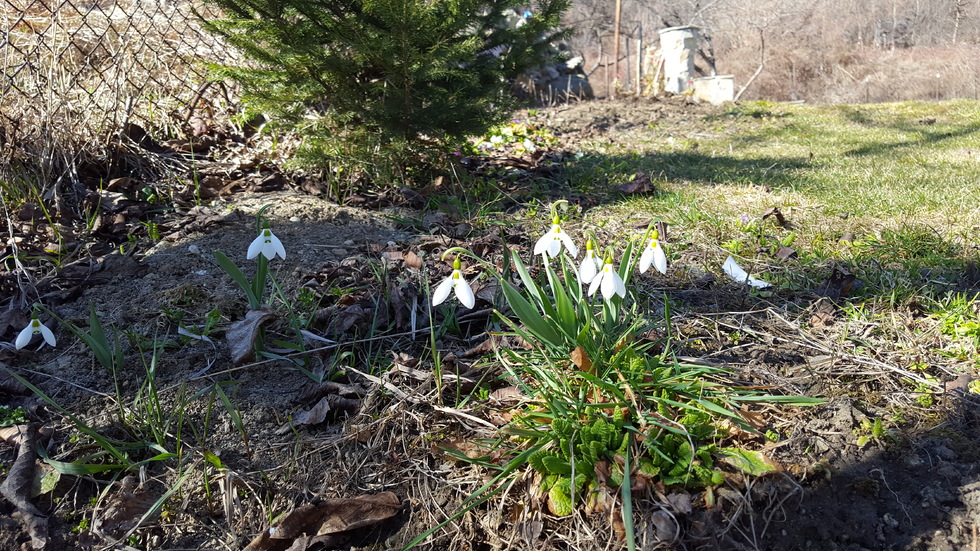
(900, 178)
(867, 160)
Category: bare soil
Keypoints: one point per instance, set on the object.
(917, 487)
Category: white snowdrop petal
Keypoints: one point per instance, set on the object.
(618, 286)
(442, 291)
(541, 245)
(24, 337)
(735, 271)
(608, 284)
(465, 293)
(596, 282)
(587, 271)
(738, 274)
(554, 246)
(48, 335)
(255, 247)
(645, 260)
(660, 259)
(569, 244)
(278, 248)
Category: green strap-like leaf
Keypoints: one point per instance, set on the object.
(229, 267)
(529, 315)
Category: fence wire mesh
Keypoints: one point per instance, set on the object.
(76, 72)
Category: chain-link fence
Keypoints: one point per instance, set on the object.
(76, 72)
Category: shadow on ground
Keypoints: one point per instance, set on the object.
(912, 484)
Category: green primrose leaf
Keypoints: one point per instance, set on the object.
(750, 462)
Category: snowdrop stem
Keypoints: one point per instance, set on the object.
(457, 251)
(260, 221)
(258, 283)
(554, 208)
(460, 251)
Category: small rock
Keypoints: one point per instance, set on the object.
(194, 249)
(349, 243)
(295, 219)
(339, 252)
(944, 452)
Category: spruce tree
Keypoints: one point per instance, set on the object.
(392, 74)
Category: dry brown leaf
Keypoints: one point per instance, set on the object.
(485, 347)
(318, 413)
(488, 291)
(413, 260)
(581, 360)
(508, 394)
(785, 253)
(680, 502)
(124, 510)
(241, 335)
(393, 256)
(466, 448)
(840, 283)
(665, 525)
(8, 384)
(325, 523)
(16, 488)
(12, 435)
(778, 215)
(639, 184)
(500, 418)
(314, 391)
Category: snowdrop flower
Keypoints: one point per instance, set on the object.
(609, 281)
(590, 266)
(496, 139)
(457, 284)
(551, 242)
(27, 334)
(653, 255)
(529, 146)
(736, 272)
(267, 244)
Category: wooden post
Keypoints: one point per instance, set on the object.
(619, 13)
(639, 59)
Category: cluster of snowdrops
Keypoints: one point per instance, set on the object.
(595, 270)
